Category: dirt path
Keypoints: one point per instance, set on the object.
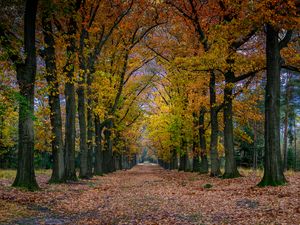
(148, 194)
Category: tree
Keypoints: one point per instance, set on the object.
(87, 63)
(273, 167)
(193, 15)
(70, 172)
(58, 170)
(26, 72)
(273, 164)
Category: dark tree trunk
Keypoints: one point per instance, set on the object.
(168, 165)
(90, 127)
(107, 153)
(106, 157)
(120, 162)
(203, 153)
(295, 146)
(254, 148)
(82, 115)
(133, 160)
(188, 166)
(196, 160)
(26, 78)
(70, 172)
(183, 156)
(174, 160)
(125, 162)
(273, 168)
(114, 157)
(182, 162)
(214, 155)
(98, 170)
(58, 170)
(196, 164)
(231, 170)
(83, 130)
(116, 161)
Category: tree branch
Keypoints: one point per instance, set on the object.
(291, 68)
(284, 42)
(246, 75)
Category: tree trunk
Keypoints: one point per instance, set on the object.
(70, 132)
(107, 153)
(114, 157)
(70, 172)
(214, 155)
(196, 160)
(26, 78)
(254, 147)
(98, 170)
(125, 162)
(203, 153)
(90, 127)
(58, 170)
(295, 145)
(231, 170)
(174, 160)
(116, 161)
(85, 119)
(83, 130)
(120, 162)
(273, 168)
(182, 162)
(286, 124)
(183, 156)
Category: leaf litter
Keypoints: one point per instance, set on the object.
(147, 194)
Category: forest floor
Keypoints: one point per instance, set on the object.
(148, 194)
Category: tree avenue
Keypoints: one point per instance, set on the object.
(98, 85)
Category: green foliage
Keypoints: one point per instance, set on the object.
(207, 186)
(8, 119)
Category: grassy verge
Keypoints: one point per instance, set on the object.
(11, 174)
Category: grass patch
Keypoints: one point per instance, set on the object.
(290, 172)
(11, 174)
(248, 171)
(260, 172)
(7, 174)
(207, 186)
